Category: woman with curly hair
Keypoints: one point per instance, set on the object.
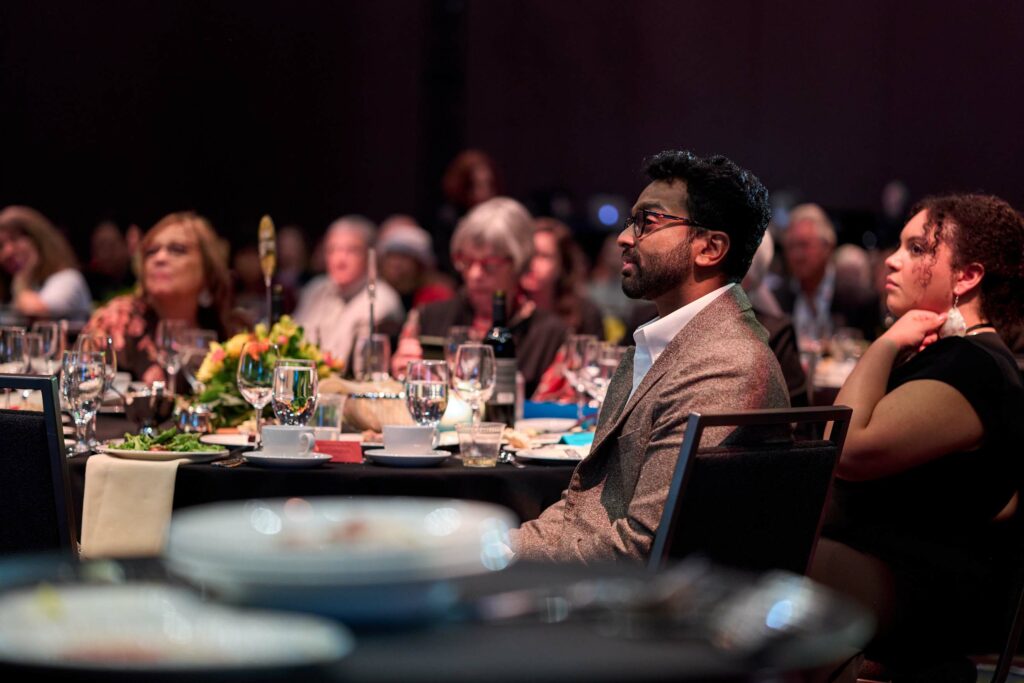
(184, 276)
(929, 478)
(44, 280)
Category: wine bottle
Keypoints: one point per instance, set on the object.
(502, 405)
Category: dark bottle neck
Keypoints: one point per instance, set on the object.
(499, 314)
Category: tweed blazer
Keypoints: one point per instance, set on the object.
(718, 362)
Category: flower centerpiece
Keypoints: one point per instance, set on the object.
(220, 366)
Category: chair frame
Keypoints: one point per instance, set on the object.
(48, 386)
(696, 423)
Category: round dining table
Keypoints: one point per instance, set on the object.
(526, 490)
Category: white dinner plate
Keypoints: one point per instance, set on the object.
(363, 560)
(264, 459)
(229, 440)
(141, 628)
(383, 457)
(194, 456)
(545, 425)
(553, 454)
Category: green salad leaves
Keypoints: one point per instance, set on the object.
(167, 440)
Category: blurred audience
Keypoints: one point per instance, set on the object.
(554, 280)
(109, 272)
(471, 178)
(605, 290)
(41, 273)
(406, 256)
(334, 308)
(250, 287)
(184, 276)
(491, 249)
(292, 264)
(811, 295)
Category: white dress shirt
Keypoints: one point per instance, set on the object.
(652, 337)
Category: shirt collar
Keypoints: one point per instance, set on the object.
(655, 335)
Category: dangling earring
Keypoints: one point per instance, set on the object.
(955, 325)
(205, 299)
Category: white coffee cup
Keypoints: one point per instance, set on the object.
(295, 440)
(408, 439)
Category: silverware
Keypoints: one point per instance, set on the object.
(509, 458)
(232, 461)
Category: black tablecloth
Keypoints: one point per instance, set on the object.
(526, 491)
(470, 650)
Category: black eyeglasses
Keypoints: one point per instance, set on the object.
(638, 222)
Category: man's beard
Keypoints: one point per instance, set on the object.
(659, 274)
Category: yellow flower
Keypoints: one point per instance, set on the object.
(260, 330)
(233, 346)
(212, 364)
(286, 326)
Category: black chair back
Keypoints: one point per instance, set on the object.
(36, 512)
(757, 506)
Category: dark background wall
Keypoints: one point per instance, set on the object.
(308, 110)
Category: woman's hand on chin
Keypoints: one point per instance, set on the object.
(915, 329)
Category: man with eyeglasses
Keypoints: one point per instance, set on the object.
(686, 246)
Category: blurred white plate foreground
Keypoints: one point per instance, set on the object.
(366, 560)
(140, 627)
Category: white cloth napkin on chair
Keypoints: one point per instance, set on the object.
(127, 506)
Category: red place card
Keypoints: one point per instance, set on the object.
(341, 451)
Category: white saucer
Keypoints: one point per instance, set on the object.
(383, 457)
(264, 459)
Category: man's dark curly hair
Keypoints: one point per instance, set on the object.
(983, 229)
(720, 196)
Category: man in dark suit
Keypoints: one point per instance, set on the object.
(686, 246)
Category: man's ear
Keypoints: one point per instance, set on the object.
(710, 249)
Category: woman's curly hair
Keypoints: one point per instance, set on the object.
(983, 229)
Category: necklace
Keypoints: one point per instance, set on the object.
(979, 326)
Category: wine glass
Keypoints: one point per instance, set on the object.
(103, 344)
(35, 360)
(168, 348)
(575, 357)
(457, 336)
(372, 358)
(195, 344)
(53, 345)
(13, 354)
(426, 391)
(82, 379)
(255, 377)
(602, 358)
(295, 387)
(473, 376)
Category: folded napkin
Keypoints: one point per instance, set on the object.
(341, 451)
(577, 439)
(127, 506)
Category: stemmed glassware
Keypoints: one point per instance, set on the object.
(53, 346)
(168, 342)
(103, 344)
(473, 375)
(255, 377)
(426, 391)
(457, 336)
(195, 343)
(81, 383)
(13, 354)
(602, 358)
(575, 360)
(295, 390)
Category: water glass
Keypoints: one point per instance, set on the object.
(479, 444)
(575, 360)
(168, 340)
(329, 416)
(426, 391)
(13, 354)
(52, 335)
(602, 358)
(473, 375)
(255, 377)
(295, 387)
(195, 344)
(372, 358)
(457, 336)
(82, 381)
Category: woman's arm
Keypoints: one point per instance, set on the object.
(917, 422)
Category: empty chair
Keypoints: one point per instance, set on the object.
(757, 504)
(36, 513)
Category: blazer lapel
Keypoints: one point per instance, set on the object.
(685, 344)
